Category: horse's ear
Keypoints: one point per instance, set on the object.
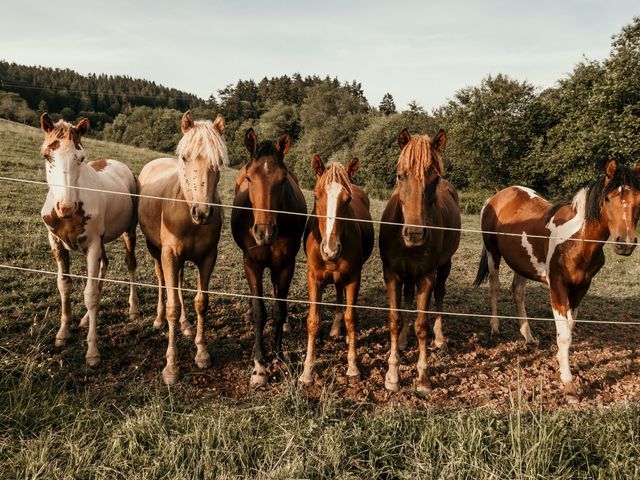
(440, 140)
(251, 141)
(353, 166)
(283, 144)
(317, 165)
(46, 123)
(404, 138)
(610, 168)
(187, 122)
(218, 124)
(82, 127)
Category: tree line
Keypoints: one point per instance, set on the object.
(500, 132)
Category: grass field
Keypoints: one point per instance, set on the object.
(496, 410)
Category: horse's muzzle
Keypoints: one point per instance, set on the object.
(330, 250)
(414, 236)
(66, 209)
(264, 233)
(201, 214)
(623, 248)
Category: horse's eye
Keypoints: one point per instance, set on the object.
(246, 177)
(606, 199)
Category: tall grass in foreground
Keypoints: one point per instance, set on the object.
(49, 429)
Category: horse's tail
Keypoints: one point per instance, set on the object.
(483, 269)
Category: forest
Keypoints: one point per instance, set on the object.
(502, 131)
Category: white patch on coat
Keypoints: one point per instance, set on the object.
(532, 193)
(333, 190)
(540, 268)
(558, 234)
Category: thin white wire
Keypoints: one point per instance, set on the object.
(305, 302)
(239, 207)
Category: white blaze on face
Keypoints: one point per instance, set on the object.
(64, 170)
(333, 191)
(539, 267)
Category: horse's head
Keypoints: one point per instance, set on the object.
(266, 175)
(419, 169)
(619, 204)
(201, 152)
(332, 195)
(64, 155)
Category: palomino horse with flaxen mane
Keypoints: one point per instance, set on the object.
(268, 239)
(559, 246)
(337, 248)
(85, 220)
(184, 226)
(416, 254)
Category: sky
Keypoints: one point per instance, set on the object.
(415, 50)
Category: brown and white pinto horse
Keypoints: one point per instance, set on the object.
(85, 220)
(336, 252)
(179, 231)
(267, 239)
(609, 207)
(413, 254)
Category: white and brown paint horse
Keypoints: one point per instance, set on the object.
(337, 247)
(564, 259)
(85, 220)
(416, 254)
(183, 226)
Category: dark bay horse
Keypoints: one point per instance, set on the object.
(267, 239)
(336, 252)
(183, 226)
(415, 256)
(609, 207)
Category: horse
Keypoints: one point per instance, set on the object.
(86, 220)
(416, 250)
(337, 247)
(558, 245)
(182, 224)
(268, 239)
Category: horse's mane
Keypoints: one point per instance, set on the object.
(417, 157)
(61, 130)
(335, 172)
(203, 139)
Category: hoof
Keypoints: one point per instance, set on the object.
(570, 394)
(158, 322)
(93, 361)
(423, 390)
(61, 342)
(353, 373)
(572, 399)
(134, 316)
(187, 331)
(335, 331)
(203, 360)
(392, 387)
(84, 322)
(258, 379)
(170, 376)
(402, 345)
(306, 379)
(286, 327)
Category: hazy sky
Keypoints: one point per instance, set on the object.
(414, 50)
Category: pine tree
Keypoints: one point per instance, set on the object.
(387, 105)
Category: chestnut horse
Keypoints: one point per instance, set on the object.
(336, 252)
(267, 239)
(609, 207)
(413, 254)
(85, 220)
(184, 226)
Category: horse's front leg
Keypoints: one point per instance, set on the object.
(171, 268)
(338, 316)
(202, 359)
(129, 238)
(61, 256)
(439, 292)
(254, 274)
(394, 292)
(350, 320)
(185, 326)
(313, 325)
(281, 281)
(95, 262)
(564, 328)
(104, 265)
(425, 287)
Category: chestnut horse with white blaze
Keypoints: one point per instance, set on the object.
(85, 220)
(183, 226)
(268, 239)
(337, 247)
(415, 255)
(564, 258)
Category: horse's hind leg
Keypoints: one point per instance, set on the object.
(517, 290)
(338, 316)
(494, 288)
(281, 283)
(160, 312)
(129, 238)
(203, 359)
(185, 326)
(403, 338)
(61, 256)
(350, 322)
(439, 291)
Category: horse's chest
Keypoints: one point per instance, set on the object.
(72, 231)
